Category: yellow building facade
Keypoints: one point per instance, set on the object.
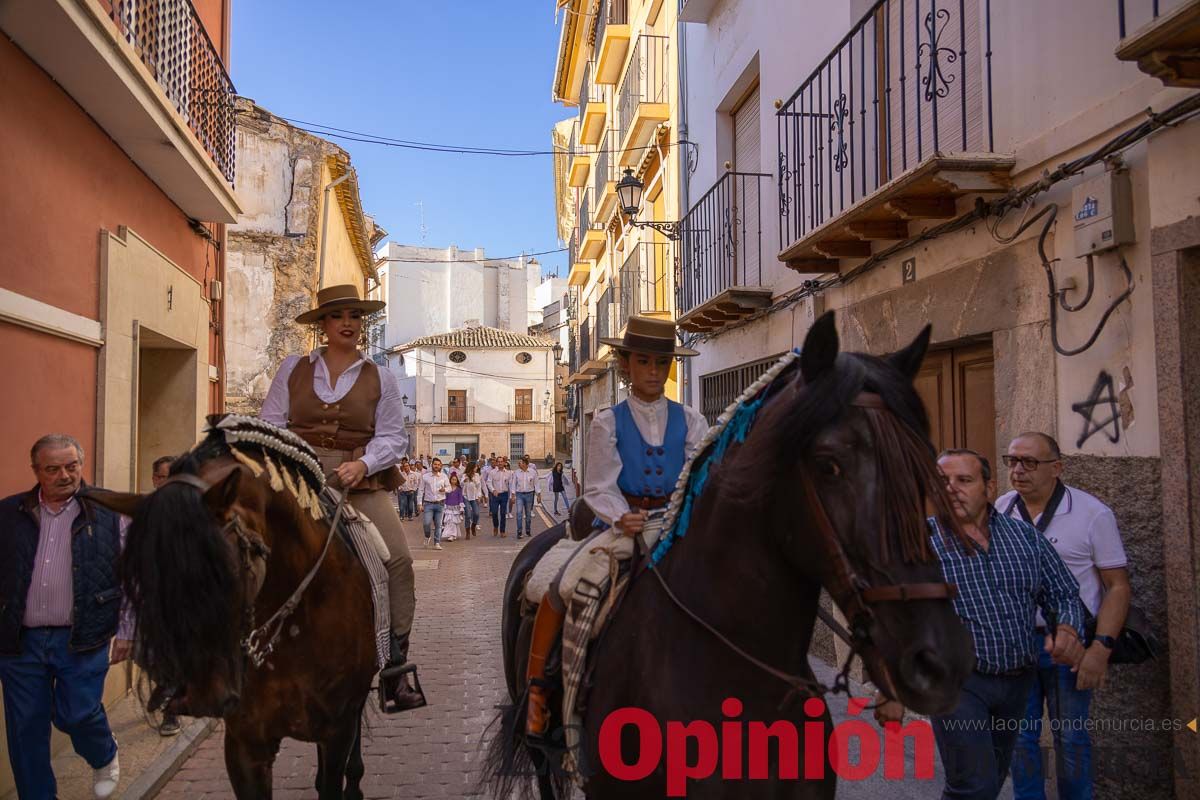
(618, 68)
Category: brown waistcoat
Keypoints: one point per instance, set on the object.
(347, 425)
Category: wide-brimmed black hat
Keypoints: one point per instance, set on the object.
(336, 298)
(649, 335)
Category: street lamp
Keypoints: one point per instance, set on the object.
(629, 195)
(558, 351)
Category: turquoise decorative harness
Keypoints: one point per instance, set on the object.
(732, 427)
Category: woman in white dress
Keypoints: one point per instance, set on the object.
(452, 516)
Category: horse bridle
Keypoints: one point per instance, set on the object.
(853, 594)
(259, 642)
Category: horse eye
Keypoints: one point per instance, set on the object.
(829, 468)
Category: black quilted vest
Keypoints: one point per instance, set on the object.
(95, 547)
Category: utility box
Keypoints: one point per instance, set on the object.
(1103, 212)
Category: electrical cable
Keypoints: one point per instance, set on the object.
(470, 260)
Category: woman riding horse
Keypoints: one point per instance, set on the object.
(635, 452)
(349, 411)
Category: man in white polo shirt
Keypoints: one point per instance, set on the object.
(1084, 533)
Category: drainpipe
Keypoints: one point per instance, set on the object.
(681, 158)
(324, 220)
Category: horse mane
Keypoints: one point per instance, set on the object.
(179, 573)
(791, 420)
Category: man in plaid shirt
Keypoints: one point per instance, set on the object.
(1009, 571)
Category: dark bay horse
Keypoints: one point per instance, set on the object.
(217, 550)
(830, 487)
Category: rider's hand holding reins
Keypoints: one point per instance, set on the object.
(1064, 647)
(631, 524)
(888, 710)
(351, 473)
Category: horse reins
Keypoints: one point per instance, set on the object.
(260, 640)
(853, 594)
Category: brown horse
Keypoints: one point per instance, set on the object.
(827, 487)
(217, 550)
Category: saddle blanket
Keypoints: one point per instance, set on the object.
(367, 543)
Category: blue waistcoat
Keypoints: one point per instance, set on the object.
(648, 470)
(95, 547)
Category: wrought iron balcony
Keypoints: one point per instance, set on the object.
(604, 177)
(645, 287)
(591, 234)
(593, 107)
(642, 102)
(457, 413)
(579, 160)
(606, 316)
(893, 125)
(1165, 42)
(171, 41)
(146, 74)
(720, 254)
(612, 40)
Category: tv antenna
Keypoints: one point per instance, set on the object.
(420, 204)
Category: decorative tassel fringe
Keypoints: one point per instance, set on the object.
(255, 468)
(273, 472)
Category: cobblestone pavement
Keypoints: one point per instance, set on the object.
(430, 752)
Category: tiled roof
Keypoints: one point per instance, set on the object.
(479, 337)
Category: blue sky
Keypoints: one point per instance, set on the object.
(465, 72)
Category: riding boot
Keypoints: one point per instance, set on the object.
(546, 626)
(400, 693)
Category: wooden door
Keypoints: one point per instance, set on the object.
(456, 405)
(524, 405)
(957, 386)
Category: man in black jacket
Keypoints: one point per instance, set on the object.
(60, 605)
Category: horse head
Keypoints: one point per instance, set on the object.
(193, 564)
(851, 437)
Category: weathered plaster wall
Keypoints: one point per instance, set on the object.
(274, 250)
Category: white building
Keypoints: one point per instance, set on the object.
(478, 389)
(431, 290)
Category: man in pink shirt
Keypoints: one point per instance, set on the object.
(60, 605)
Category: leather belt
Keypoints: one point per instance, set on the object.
(646, 503)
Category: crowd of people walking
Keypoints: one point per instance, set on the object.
(449, 498)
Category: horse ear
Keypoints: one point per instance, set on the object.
(224, 492)
(909, 360)
(820, 348)
(124, 503)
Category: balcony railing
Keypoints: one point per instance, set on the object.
(572, 353)
(606, 313)
(911, 79)
(604, 170)
(647, 80)
(171, 41)
(614, 12)
(457, 413)
(585, 218)
(1138, 13)
(644, 280)
(586, 351)
(589, 92)
(522, 414)
(721, 245)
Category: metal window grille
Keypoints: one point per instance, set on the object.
(719, 389)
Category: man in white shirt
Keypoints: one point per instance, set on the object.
(1084, 533)
(499, 487)
(434, 485)
(524, 485)
(635, 453)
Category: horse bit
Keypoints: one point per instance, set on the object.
(259, 643)
(853, 595)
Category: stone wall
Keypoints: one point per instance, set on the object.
(272, 256)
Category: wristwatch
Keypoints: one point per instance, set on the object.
(1107, 641)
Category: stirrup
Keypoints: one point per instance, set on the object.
(391, 678)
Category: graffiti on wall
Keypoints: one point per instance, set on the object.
(1101, 412)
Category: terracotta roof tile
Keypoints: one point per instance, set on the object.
(479, 337)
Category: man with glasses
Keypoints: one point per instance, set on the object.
(60, 606)
(1084, 533)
